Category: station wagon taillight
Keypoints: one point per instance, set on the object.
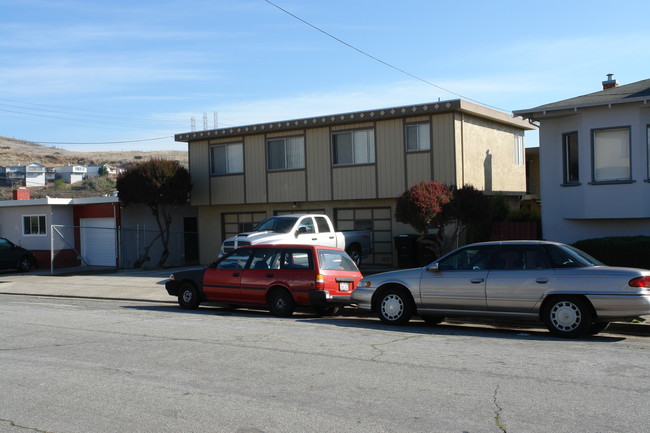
(320, 282)
(639, 282)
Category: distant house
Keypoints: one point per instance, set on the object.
(71, 173)
(12, 175)
(594, 157)
(95, 231)
(34, 175)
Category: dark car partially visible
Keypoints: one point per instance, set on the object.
(13, 256)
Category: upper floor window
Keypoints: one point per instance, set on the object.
(520, 154)
(34, 225)
(353, 147)
(611, 155)
(227, 158)
(418, 136)
(286, 153)
(570, 158)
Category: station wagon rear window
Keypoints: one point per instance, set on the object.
(332, 260)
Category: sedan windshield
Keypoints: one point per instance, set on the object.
(276, 224)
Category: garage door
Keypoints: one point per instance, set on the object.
(98, 241)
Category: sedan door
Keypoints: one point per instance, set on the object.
(459, 282)
(520, 275)
(222, 282)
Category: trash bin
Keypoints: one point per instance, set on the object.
(407, 250)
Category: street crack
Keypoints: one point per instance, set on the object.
(497, 412)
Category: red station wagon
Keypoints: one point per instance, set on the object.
(280, 277)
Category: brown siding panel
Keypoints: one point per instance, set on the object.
(318, 164)
(255, 169)
(389, 138)
(199, 162)
(287, 186)
(354, 182)
(228, 189)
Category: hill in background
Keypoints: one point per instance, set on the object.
(19, 152)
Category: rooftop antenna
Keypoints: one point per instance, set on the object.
(193, 123)
(216, 120)
(205, 121)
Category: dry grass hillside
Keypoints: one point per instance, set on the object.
(18, 152)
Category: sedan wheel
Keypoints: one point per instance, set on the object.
(395, 307)
(188, 297)
(24, 264)
(568, 317)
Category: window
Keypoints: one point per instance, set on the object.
(353, 147)
(611, 155)
(34, 225)
(296, 259)
(570, 158)
(519, 257)
(418, 137)
(323, 226)
(519, 148)
(236, 260)
(227, 158)
(286, 153)
(648, 147)
(468, 259)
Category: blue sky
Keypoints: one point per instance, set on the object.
(132, 74)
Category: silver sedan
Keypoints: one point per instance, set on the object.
(571, 292)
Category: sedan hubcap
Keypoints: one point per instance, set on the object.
(187, 296)
(566, 316)
(392, 307)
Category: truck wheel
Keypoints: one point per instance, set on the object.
(355, 254)
(188, 297)
(281, 304)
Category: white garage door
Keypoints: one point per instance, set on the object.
(98, 241)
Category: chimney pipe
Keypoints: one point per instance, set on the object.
(610, 83)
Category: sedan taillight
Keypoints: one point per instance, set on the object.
(640, 282)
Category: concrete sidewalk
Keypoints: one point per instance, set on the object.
(149, 286)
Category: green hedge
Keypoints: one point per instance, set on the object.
(629, 251)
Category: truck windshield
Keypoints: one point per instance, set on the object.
(275, 224)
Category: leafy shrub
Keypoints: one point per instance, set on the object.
(629, 251)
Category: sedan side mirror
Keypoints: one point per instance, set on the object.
(433, 267)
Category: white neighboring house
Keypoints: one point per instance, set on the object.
(594, 155)
(71, 173)
(34, 175)
(93, 170)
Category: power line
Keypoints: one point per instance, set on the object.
(376, 58)
(106, 142)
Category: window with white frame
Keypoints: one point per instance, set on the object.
(353, 147)
(571, 158)
(418, 136)
(34, 225)
(519, 148)
(227, 158)
(611, 155)
(286, 153)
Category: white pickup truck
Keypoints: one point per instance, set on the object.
(303, 229)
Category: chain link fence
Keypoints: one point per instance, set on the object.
(115, 248)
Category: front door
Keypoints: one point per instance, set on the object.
(459, 282)
(222, 282)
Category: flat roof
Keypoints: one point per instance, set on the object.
(455, 105)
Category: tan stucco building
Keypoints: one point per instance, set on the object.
(351, 166)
